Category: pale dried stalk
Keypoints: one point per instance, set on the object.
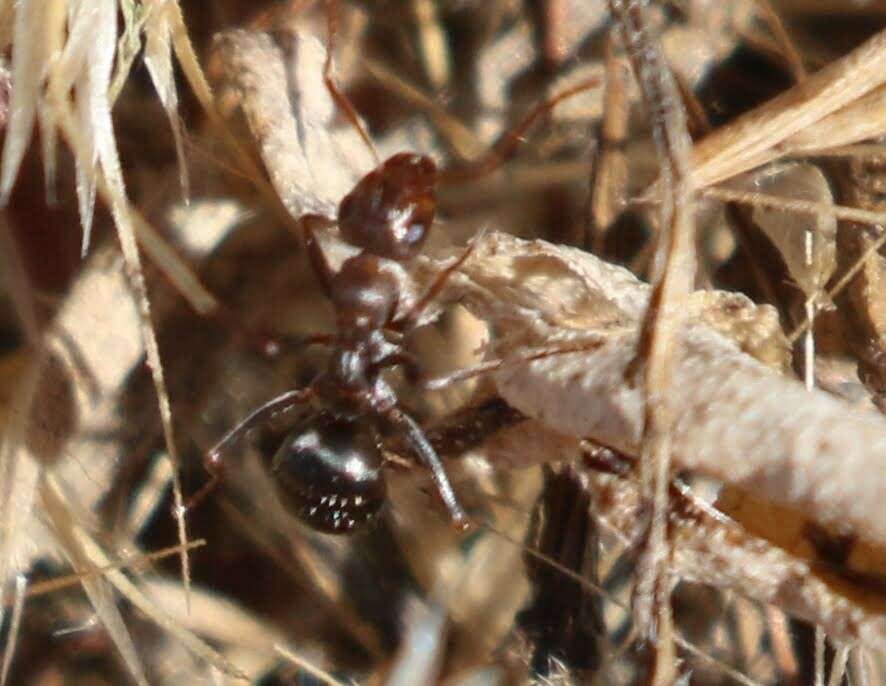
(76, 50)
(739, 421)
(290, 112)
(158, 59)
(610, 174)
(708, 547)
(673, 276)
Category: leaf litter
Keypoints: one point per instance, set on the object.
(826, 489)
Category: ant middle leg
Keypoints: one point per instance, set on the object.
(268, 344)
(271, 345)
(214, 461)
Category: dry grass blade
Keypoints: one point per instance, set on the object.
(83, 557)
(158, 58)
(85, 65)
(765, 134)
(310, 668)
(788, 204)
(28, 60)
(112, 189)
(18, 605)
(86, 554)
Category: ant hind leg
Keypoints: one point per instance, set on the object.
(412, 432)
(214, 461)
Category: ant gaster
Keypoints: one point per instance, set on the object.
(328, 469)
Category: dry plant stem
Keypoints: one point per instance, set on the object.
(788, 49)
(52, 585)
(609, 181)
(740, 422)
(776, 202)
(673, 276)
(90, 135)
(434, 47)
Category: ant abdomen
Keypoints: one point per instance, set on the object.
(391, 209)
(328, 474)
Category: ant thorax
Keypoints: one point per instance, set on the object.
(352, 383)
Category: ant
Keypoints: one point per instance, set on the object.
(328, 468)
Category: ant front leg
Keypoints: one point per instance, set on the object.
(308, 224)
(213, 460)
(416, 438)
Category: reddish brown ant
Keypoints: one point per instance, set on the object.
(328, 469)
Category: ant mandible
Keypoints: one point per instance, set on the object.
(328, 468)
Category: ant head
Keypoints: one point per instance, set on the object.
(391, 209)
(364, 294)
(328, 474)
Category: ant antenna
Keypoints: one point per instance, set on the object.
(340, 98)
(502, 150)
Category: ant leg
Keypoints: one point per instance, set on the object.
(494, 365)
(213, 461)
(271, 345)
(266, 344)
(308, 223)
(406, 360)
(506, 145)
(340, 98)
(416, 438)
(408, 320)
